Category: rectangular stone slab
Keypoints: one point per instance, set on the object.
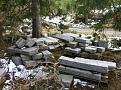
(64, 38)
(37, 56)
(39, 41)
(30, 51)
(30, 43)
(20, 43)
(80, 73)
(13, 50)
(111, 65)
(82, 63)
(71, 50)
(91, 49)
(83, 40)
(26, 57)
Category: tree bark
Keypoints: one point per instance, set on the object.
(36, 23)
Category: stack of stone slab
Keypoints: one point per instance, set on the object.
(85, 68)
(28, 52)
(51, 42)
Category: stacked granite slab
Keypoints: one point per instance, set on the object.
(85, 68)
(28, 52)
(50, 42)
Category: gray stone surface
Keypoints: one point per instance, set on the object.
(26, 57)
(17, 60)
(83, 40)
(2, 73)
(20, 43)
(66, 79)
(91, 49)
(80, 73)
(30, 64)
(30, 43)
(43, 47)
(72, 44)
(13, 50)
(37, 56)
(71, 50)
(110, 65)
(30, 51)
(82, 63)
(47, 55)
(100, 49)
(39, 42)
(64, 37)
(83, 44)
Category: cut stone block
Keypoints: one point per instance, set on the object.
(71, 50)
(53, 39)
(30, 64)
(82, 63)
(83, 44)
(66, 79)
(13, 50)
(30, 51)
(37, 56)
(20, 43)
(43, 47)
(110, 65)
(83, 40)
(100, 49)
(39, 42)
(91, 49)
(72, 44)
(30, 43)
(17, 60)
(47, 55)
(80, 73)
(71, 35)
(64, 38)
(26, 58)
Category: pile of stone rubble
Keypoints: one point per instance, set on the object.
(31, 52)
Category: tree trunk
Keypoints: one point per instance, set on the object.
(36, 23)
